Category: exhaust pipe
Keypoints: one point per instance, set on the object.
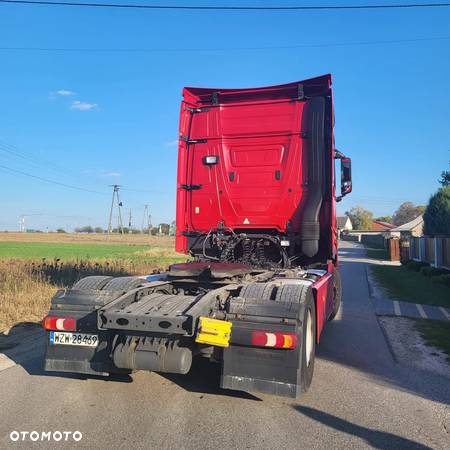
(315, 124)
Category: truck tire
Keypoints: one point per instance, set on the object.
(307, 341)
(261, 292)
(96, 291)
(337, 293)
(292, 293)
(124, 284)
(94, 283)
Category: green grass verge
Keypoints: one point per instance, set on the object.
(76, 251)
(376, 253)
(436, 333)
(409, 286)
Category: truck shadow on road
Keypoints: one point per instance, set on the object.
(204, 377)
(374, 438)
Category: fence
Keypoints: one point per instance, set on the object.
(432, 250)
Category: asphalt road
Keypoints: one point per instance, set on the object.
(359, 398)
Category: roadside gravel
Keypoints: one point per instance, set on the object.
(409, 347)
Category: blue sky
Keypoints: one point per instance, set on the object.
(117, 122)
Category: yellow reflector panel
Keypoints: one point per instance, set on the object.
(213, 332)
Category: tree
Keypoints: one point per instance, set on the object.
(387, 219)
(406, 212)
(60, 230)
(99, 230)
(437, 215)
(360, 217)
(445, 178)
(164, 228)
(85, 229)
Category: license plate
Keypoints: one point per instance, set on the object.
(79, 339)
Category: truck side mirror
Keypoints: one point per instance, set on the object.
(346, 176)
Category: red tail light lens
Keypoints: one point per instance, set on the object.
(59, 323)
(274, 339)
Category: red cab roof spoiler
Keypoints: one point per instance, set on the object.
(296, 90)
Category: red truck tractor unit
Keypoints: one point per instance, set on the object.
(256, 212)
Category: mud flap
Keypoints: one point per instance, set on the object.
(82, 304)
(79, 359)
(251, 369)
(267, 370)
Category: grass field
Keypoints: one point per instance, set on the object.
(410, 286)
(34, 266)
(86, 251)
(436, 333)
(129, 239)
(50, 250)
(71, 247)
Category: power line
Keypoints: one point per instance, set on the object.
(50, 181)
(40, 162)
(229, 8)
(221, 49)
(35, 160)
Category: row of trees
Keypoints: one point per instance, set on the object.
(362, 218)
(436, 214)
(162, 228)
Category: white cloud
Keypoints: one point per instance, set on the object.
(83, 106)
(172, 143)
(65, 92)
(111, 174)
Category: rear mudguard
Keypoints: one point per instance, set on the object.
(81, 305)
(272, 371)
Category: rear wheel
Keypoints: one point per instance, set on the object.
(94, 282)
(124, 284)
(308, 342)
(337, 293)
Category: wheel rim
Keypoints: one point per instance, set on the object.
(309, 338)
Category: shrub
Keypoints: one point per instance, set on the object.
(433, 271)
(442, 279)
(437, 214)
(416, 265)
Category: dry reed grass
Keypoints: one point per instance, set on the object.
(26, 288)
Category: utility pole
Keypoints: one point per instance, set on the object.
(129, 223)
(115, 196)
(146, 219)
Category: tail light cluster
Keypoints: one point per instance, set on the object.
(274, 339)
(59, 323)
